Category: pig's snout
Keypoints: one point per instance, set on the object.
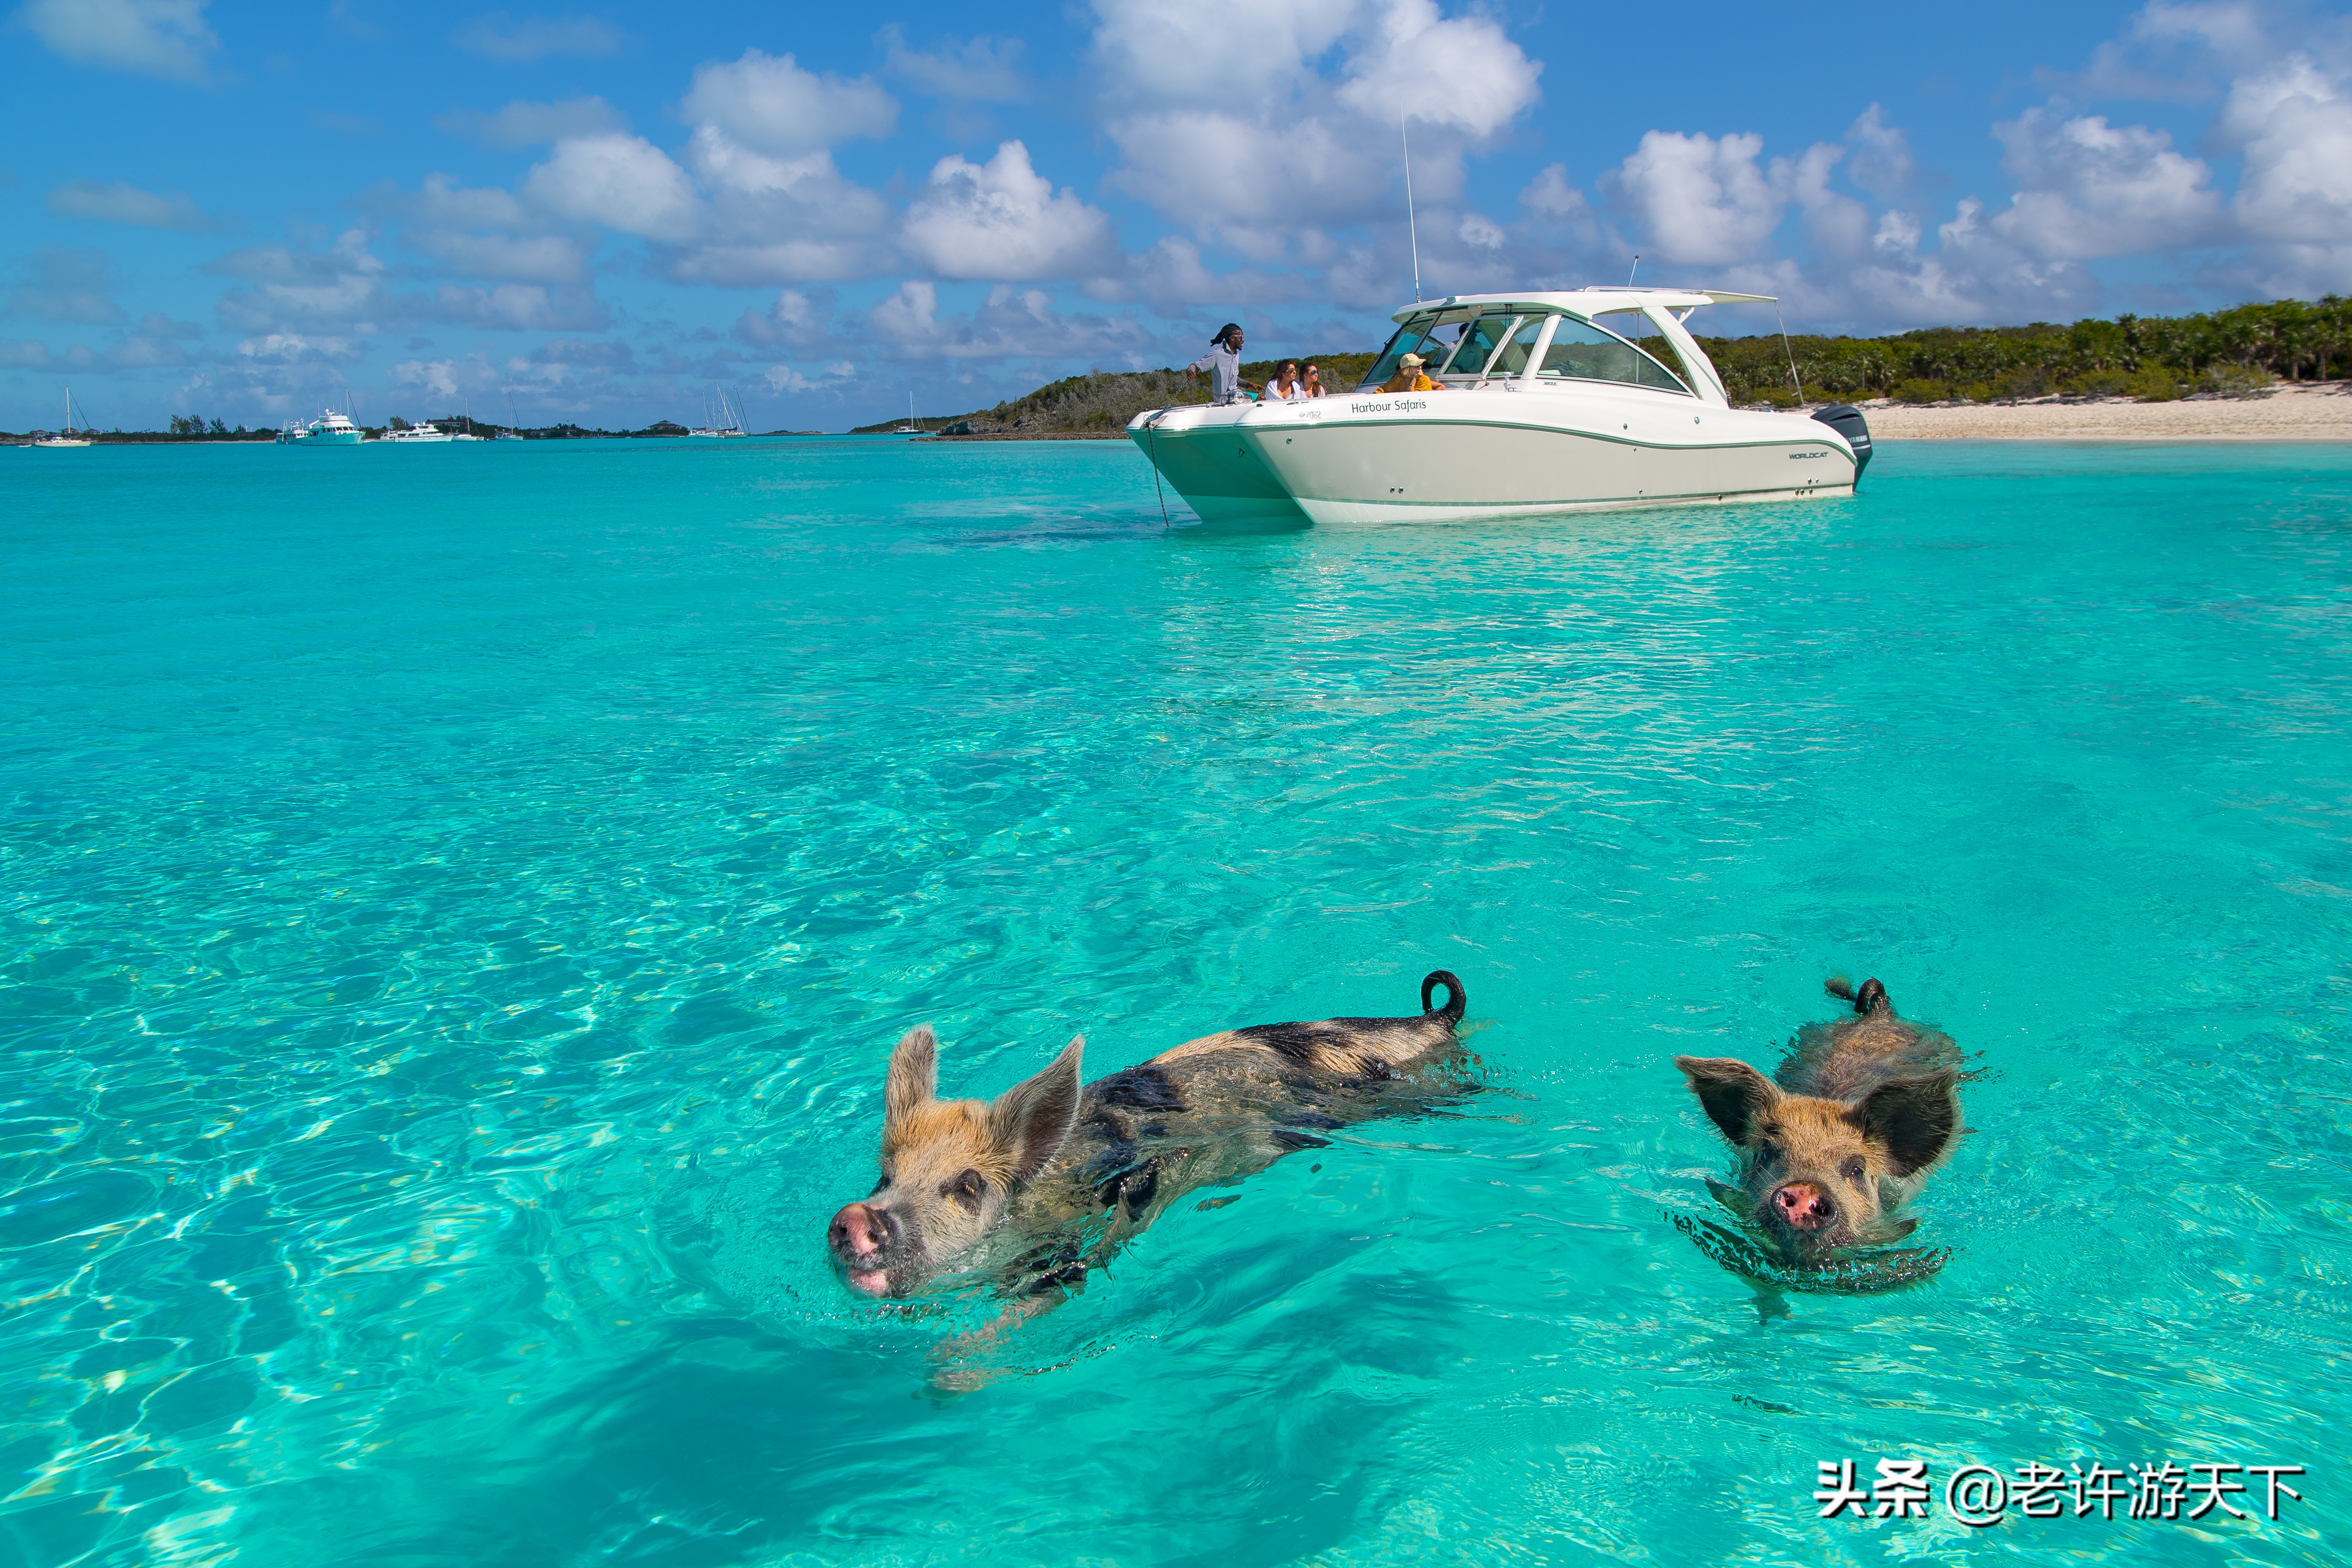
(856, 1232)
(1801, 1205)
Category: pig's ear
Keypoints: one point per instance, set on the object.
(914, 1074)
(1915, 1118)
(1729, 1091)
(1031, 1118)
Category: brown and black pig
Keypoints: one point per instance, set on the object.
(1844, 1134)
(1046, 1180)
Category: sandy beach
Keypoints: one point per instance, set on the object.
(2312, 410)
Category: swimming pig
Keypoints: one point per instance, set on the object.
(1048, 1178)
(1842, 1134)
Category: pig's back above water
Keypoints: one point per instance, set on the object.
(1847, 1059)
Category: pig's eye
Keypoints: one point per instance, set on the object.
(965, 1190)
(880, 1182)
(1851, 1171)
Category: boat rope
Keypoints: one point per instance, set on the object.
(1790, 353)
(1151, 431)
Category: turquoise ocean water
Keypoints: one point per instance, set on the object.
(457, 903)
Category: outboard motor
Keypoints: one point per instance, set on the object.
(1847, 421)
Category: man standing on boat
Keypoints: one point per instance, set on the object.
(1223, 363)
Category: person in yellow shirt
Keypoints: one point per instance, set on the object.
(1408, 377)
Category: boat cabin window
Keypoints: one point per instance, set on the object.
(1638, 330)
(1581, 352)
(1484, 335)
(1513, 360)
(1431, 336)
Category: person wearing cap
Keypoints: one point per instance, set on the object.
(1223, 363)
(1408, 377)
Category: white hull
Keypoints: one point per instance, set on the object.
(1489, 452)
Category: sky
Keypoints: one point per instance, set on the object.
(600, 215)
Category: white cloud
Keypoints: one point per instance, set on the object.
(983, 70)
(1010, 325)
(769, 104)
(1258, 120)
(523, 123)
(624, 182)
(1002, 220)
(1881, 161)
(1481, 231)
(1698, 200)
(1172, 274)
(1489, 81)
(498, 36)
(116, 202)
(294, 348)
(2294, 122)
(2092, 189)
(444, 204)
(437, 377)
(342, 287)
(531, 258)
(55, 284)
(1549, 194)
(167, 38)
(780, 220)
(792, 318)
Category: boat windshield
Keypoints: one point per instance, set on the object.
(1513, 359)
(1430, 335)
(1581, 352)
(1477, 345)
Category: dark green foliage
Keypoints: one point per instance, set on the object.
(2146, 357)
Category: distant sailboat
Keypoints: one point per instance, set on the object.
(910, 427)
(66, 437)
(514, 430)
(730, 420)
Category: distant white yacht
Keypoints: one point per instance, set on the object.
(66, 437)
(329, 429)
(417, 433)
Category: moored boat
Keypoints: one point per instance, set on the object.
(1546, 401)
(329, 429)
(417, 435)
(727, 425)
(66, 436)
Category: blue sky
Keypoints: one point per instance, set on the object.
(236, 210)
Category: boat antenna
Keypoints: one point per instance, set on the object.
(1411, 228)
(1790, 352)
(1632, 270)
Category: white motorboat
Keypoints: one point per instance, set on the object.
(329, 429)
(1557, 402)
(417, 433)
(66, 437)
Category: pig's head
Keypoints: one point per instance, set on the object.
(948, 1168)
(1811, 1168)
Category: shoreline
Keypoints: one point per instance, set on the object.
(2302, 412)
(2306, 410)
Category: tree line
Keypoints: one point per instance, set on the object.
(2154, 357)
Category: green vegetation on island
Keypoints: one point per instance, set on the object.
(2236, 353)
(2155, 359)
